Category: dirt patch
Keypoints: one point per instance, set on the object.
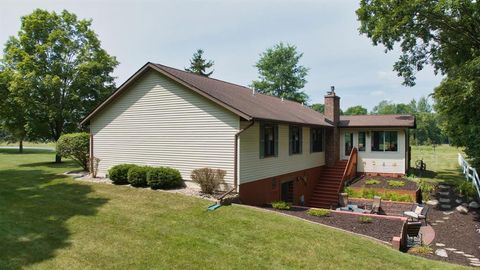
(380, 228)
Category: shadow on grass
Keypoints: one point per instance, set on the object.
(26, 151)
(34, 208)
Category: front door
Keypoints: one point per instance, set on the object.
(287, 192)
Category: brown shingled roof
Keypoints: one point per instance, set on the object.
(236, 98)
(385, 120)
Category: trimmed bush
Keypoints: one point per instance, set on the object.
(396, 183)
(318, 212)
(75, 146)
(137, 176)
(281, 205)
(119, 173)
(365, 219)
(208, 179)
(465, 188)
(164, 178)
(372, 182)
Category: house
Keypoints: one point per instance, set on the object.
(271, 148)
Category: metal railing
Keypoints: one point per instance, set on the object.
(470, 173)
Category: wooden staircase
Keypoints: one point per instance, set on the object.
(326, 191)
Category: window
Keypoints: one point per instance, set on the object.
(348, 143)
(295, 141)
(268, 140)
(361, 141)
(316, 140)
(384, 141)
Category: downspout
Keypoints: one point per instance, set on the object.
(237, 137)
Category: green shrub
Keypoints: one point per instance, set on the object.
(372, 182)
(318, 212)
(365, 219)
(396, 183)
(137, 176)
(281, 205)
(421, 249)
(465, 188)
(119, 173)
(427, 188)
(75, 146)
(164, 178)
(369, 193)
(208, 179)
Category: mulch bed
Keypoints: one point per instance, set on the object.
(389, 208)
(360, 183)
(380, 228)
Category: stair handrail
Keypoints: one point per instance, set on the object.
(350, 168)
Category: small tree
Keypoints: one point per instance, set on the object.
(199, 65)
(75, 146)
(208, 179)
(280, 73)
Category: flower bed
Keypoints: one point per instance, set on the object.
(381, 228)
(393, 189)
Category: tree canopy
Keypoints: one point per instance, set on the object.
(280, 73)
(60, 72)
(199, 65)
(356, 110)
(445, 35)
(319, 107)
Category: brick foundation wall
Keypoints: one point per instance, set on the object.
(267, 190)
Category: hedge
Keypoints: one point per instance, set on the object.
(164, 178)
(119, 173)
(137, 176)
(75, 146)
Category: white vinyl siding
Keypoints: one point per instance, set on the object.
(252, 167)
(160, 123)
(376, 161)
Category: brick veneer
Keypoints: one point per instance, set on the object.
(267, 190)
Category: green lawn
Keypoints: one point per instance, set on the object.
(49, 221)
(30, 144)
(442, 164)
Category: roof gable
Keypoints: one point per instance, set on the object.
(238, 99)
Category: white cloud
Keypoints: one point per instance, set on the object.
(377, 93)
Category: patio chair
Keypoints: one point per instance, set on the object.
(377, 205)
(417, 213)
(414, 237)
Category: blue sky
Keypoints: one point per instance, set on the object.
(234, 33)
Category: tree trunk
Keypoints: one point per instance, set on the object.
(20, 146)
(58, 158)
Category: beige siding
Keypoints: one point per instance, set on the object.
(378, 162)
(161, 123)
(252, 167)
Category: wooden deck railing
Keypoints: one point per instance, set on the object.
(470, 173)
(351, 168)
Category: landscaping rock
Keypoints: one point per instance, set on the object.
(459, 252)
(473, 205)
(439, 244)
(444, 200)
(444, 193)
(451, 249)
(448, 213)
(443, 186)
(432, 203)
(445, 206)
(441, 253)
(446, 218)
(462, 209)
(459, 201)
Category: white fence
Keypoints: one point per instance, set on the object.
(470, 173)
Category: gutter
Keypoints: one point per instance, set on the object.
(235, 159)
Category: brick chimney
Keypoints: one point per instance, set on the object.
(332, 113)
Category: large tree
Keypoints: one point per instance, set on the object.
(319, 107)
(199, 65)
(445, 35)
(356, 110)
(280, 73)
(61, 72)
(12, 112)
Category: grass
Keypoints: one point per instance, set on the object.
(30, 144)
(442, 164)
(365, 219)
(372, 182)
(396, 183)
(49, 221)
